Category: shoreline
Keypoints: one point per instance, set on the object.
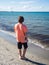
(35, 42)
(11, 56)
(12, 36)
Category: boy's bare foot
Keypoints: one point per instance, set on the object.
(21, 57)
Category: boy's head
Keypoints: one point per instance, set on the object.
(21, 19)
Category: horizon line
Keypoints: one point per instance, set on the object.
(24, 11)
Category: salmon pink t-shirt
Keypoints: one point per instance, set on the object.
(20, 29)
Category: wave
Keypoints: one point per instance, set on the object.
(37, 43)
(39, 39)
(6, 27)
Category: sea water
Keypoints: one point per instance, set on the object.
(37, 23)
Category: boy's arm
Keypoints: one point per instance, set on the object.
(15, 28)
(26, 30)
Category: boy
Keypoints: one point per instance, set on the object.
(21, 30)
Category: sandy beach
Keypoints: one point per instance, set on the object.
(9, 55)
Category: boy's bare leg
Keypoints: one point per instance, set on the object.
(24, 52)
(20, 53)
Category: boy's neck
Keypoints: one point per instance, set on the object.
(20, 23)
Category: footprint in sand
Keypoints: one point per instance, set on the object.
(12, 59)
(7, 49)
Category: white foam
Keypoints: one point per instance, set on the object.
(37, 43)
(10, 33)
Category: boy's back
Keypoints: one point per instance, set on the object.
(20, 29)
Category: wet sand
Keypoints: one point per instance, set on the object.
(9, 55)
